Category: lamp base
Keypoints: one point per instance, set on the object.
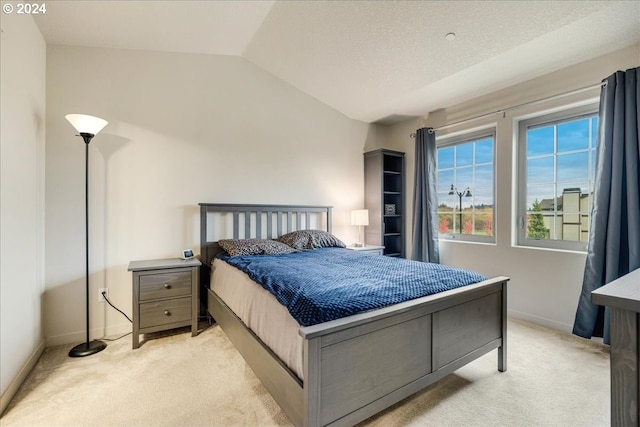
(358, 245)
(87, 348)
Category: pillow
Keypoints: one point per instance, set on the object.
(236, 247)
(311, 239)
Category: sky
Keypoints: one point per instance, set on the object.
(574, 159)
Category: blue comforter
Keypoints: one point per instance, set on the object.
(329, 283)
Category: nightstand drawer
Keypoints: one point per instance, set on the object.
(165, 312)
(165, 285)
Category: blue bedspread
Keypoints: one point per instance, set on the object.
(329, 283)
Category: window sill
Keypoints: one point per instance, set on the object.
(473, 242)
(538, 248)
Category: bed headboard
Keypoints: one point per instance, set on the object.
(235, 221)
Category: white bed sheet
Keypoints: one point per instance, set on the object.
(261, 312)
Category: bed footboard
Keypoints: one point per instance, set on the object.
(356, 367)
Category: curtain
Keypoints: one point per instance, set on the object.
(425, 199)
(614, 241)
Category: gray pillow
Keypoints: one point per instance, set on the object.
(311, 239)
(236, 247)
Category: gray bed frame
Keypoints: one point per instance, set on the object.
(356, 366)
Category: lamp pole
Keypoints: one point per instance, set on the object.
(460, 194)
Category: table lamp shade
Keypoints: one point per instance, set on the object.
(360, 217)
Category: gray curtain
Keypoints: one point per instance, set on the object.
(614, 242)
(425, 199)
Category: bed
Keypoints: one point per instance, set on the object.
(354, 367)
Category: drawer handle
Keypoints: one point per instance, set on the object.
(167, 286)
(167, 313)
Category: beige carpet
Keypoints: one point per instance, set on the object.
(553, 379)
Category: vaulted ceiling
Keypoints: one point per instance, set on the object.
(375, 61)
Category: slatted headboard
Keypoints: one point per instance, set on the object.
(235, 221)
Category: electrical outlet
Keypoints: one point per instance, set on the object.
(100, 291)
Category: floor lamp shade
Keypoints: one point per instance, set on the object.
(86, 124)
(88, 127)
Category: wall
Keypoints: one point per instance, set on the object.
(22, 145)
(182, 129)
(545, 284)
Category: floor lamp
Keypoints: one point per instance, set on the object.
(87, 127)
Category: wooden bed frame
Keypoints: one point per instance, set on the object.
(356, 366)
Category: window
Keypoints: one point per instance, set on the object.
(556, 172)
(465, 187)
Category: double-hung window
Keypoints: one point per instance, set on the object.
(466, 186)
(556, 164)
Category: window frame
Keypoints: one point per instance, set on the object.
(459, 138)
(521, 127)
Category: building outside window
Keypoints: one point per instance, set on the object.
(466, 186)
(555, 178)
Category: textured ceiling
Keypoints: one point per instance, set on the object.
(375, 61)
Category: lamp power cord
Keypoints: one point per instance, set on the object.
(104, 295)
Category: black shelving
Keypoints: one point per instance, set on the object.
(385, 199)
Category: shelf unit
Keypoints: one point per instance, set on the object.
(385, 188)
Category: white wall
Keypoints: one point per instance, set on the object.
(22, 147)
(545, 284)
(183, 129)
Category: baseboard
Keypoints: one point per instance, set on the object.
(79, 337)
(551, 324)
(19, 379)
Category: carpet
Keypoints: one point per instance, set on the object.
(553, 379)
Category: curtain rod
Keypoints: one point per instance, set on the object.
(515, 107)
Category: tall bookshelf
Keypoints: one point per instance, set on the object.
(384, 197)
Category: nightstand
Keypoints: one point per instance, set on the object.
(165, 295)
(370, 249)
